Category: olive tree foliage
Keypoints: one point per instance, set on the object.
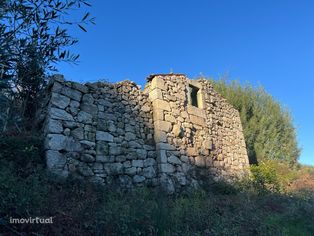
(33, 38)
(268, 127)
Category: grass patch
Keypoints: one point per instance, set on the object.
(81, 208)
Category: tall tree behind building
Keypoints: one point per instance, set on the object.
(268, 127)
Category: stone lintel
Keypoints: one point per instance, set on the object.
(192, 110)
(197, 120)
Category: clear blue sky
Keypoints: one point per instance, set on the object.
(267, 42)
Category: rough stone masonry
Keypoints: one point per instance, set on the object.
(161, 136)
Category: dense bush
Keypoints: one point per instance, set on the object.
(267, 126)
(23, 153)
(271, 176)
(81, 208)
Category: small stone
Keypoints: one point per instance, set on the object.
(174, 160)
(72, 155)
(102, 148)
(130, 136)
(97, 179)
(121, 158)
(112, 128)
(71, 145)
(184, 159)
(149, 147)
(85, 117)
(137, 163)
(166, 168)
(130, 171)
(55, 142)
(102, 125)
(59, 100)
(185, 167)
(71, 93)
(114, 149)
(55, 160)
(165, 146)
(80, 87)
(149, 162)
(90, 136)
(163, 125)
(74, 104)
(58, 77)
(78, 133)
(145, 108)
(85, 171)
(129, 128)
(89, 151)
(70, 124)
(162, 156)
(138, 179)
(58, 114)
(134, 144)
(104, 136)
(141, 153)
(149, 172)
(87, 158)
(170, 118)
(87, 144)
(126, 164)
(54, 126)
(192, 151)
(200, 161)
(151, 154)
(116, 168)
(67, 132)
(177, 131)
(57, 87)
(88, 99)
(89, 108)
(101, 158)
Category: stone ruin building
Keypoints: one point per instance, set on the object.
(160, 136)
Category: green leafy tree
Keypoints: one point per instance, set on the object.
(33, 38)
(268, 128)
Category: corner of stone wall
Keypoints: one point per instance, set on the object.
(101, 132)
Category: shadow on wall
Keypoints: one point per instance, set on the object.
(118, 134)
(195, 127)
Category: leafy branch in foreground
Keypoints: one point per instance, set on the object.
(33, 38)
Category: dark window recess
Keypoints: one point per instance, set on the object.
(193, 95)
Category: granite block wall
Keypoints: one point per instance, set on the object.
(160, 136)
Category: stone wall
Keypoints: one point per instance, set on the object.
(208, 135)
(117, 133)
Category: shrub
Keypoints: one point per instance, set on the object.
(24, 153)
(271, 176)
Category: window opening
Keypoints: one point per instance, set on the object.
(193, 95)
